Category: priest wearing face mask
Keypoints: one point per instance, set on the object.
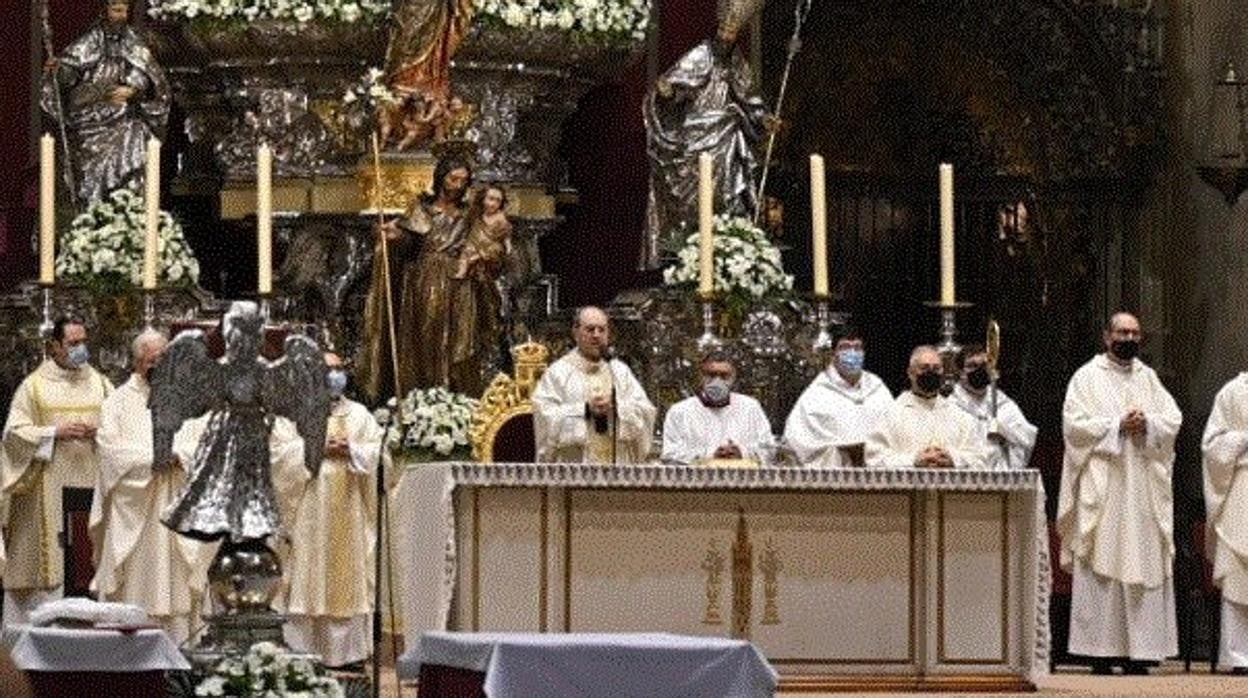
(922, 428)
(1007, 434)
(1115, 509)
(330, 568)
(49, 449)
(717, 423)
(831, 420)
(588, 407)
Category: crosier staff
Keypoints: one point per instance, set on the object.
(67, 170)
(800, 11)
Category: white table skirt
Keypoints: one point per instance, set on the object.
(72, 649)
(589, 664)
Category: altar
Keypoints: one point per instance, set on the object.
(844, 578)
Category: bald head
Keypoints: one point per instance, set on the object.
(591, 331)
(1122, 337)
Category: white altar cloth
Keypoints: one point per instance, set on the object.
(88, 649)
(588, 664)
(425, 536)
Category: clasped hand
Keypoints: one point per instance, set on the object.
(75, 430)
(934, 457)
(1133, 423)
(600, 406)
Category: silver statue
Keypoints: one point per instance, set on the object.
(229, 492)
(706, 103)
(114, 97)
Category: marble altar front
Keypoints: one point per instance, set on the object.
(845, 579)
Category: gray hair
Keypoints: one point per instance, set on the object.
(144, 339)
(920, 350)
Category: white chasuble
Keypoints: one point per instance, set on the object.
(1115, 511)
(563, 431)
(139, 560)
(1010, 423)
(330, 567)
(833, 414)
(914, 423)
(692, 431)
(1225, 447)
(36, 466)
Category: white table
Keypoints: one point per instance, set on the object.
(849, 578)
(553, 665)
(87, 649)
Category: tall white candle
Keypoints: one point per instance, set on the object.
(151, 221)
(819, 224)
(264, 218)
(706, 224)
(47, 210)
(947, 292)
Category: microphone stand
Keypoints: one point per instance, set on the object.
(377, 534)
(615, 411)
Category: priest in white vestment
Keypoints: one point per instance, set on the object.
(330, 568)
(1225, 447)
(138, 560)
(1007, 434)
(830, 422)
(575, 418)
(922, 428)
(1115, 510)
(48, 447)
(717, 423)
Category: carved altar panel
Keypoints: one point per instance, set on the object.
(502, 583)
(846, 578)
(972, 580)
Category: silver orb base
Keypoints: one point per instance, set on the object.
(244, 577)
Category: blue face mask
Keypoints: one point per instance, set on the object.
(716, 392)
(851, 360)
(336, 382)
(79, 355)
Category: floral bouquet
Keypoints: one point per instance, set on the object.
(103, 249)
(434, 425)
(619, 18)
(302, 11)
(747, 267)
(267, 671)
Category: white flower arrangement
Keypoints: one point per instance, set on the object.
(370, 90)
(434, 424)
(625, 18)
(104, 246)
(748, 267)
(301, 11)
(266, 670)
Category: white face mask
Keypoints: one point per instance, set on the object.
(715, 392)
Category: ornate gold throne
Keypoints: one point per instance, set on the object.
(502, 426)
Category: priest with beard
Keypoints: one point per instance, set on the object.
(717, 423)
(589, 407)
(922, 428)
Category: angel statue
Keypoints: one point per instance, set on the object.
(229, 492)
(705, 103)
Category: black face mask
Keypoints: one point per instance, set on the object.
(1125, 349)
(928, 382)
(979, 378)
